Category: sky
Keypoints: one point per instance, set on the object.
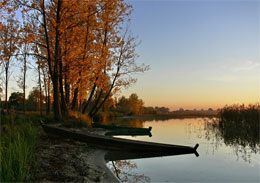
(201, 53)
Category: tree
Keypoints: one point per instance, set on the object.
(8, 45)
(136, 105)
(88, 55)
(34, 98)
(16, 99)
(1, 90)
(132, 105)
(25, 38)
(125, 65)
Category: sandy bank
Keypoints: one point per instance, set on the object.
(65, 160)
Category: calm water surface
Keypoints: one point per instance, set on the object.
(217, 162)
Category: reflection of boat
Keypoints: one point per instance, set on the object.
(126, 132)
(115, 127)
(126, 155)
(119, 144)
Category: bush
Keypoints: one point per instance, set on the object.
(76, 119)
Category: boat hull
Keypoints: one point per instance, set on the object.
(119, 144)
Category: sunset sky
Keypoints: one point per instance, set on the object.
(201, 53)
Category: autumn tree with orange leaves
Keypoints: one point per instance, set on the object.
(89, 52)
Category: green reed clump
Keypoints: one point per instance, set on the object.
(18, 144)
(241, 113)
(239, 125)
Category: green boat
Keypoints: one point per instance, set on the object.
(115, 127)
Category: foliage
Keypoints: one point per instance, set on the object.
(34, 97)
(81, 46)
(16, 99)
(76, 119)
(18, 145)
(131, 106)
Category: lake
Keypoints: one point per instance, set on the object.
(219, 160)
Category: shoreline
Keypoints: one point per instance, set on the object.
(66, 160)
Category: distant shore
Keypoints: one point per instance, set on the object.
(172, 115)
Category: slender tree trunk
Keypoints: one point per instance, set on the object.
(40, 87)
(45, 89)
(97, 108)
(48, 98)
(6, 88)
(63, 103)
(24, 86)
(75, 99)
(96, 104)
(67, 90)
(89, 98)
(75, 95)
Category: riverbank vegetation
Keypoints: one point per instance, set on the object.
(19, 140)
(239, 124)
(239, 127)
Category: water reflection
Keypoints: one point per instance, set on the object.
(136, 123)
(218, 152)
(243, 137)
(123, 168)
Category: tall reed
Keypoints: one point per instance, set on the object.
(18, 145)
(240, 124)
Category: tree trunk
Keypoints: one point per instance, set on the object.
(63, 102)
(40, 87)
(57, 111)
(24, 80)
(96, 104)
(89, 99)
(6, 88)
(45, 89)
(48, 98)
(75, 98)
(109, 91)
(67, 90)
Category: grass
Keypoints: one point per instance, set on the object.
(18, 147)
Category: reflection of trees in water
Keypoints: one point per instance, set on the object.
(123, 169)
(242, 136)
(137, 123)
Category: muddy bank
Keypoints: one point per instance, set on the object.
(65, 160)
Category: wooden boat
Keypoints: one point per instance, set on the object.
(115, 127)
(119, 144)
